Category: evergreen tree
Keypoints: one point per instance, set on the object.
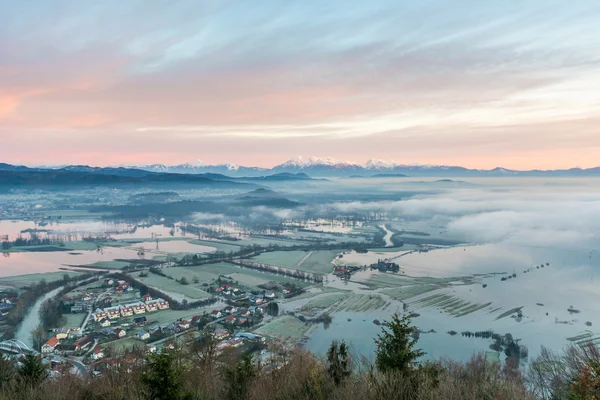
(337, 358)
(162, 378)
(32, 373)
(7, 373)
(239, 376)
(395, 346)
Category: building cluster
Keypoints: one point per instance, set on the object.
(7, 302)
(59, 344)
(128, 310)
(227, 340)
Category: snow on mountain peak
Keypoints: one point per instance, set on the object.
(301, 162)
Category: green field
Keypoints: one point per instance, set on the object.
(220, 246)
(74, 320)
(24, 280)
(171, 286)
(121, 345)
(208, 273)
(285, 326)
(318, 261)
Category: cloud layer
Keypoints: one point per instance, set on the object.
(479, 84)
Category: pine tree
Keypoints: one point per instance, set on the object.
(337, 358)
(395, 346)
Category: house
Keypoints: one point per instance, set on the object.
(287, 290)
(50, 345)
(97, 354)
(62, 333)
(230, 318)
(255, 310)
(184, 324)
(65, 348)
(157, 304)
(83, 342)
(126, 311)
(195, 320)
(220, 334)
(219, 289)
(244, 312)
(270, 295)
(113, 312)
(235, 342)
(242, 321)
(146, 297)
(78, 307)
(216, 314)
(247, 336)
(227, 286)
(119, 333)
(230, 309)
(137, 308)
(143, 335)
(109, 281)
(140, 321)
(104, 322)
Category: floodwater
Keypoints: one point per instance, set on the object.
(19, 263)
(566, 281)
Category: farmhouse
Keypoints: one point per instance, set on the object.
(50, 345)
(230, 318)
(216, 314)
(140, 321)
(146, 298)
(83, 342)
(104, 322)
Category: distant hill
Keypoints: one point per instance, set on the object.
(388, 176)
(309, 168)
(64, 177)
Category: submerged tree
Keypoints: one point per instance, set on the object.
(395, 346)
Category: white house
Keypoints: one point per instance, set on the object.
(143, 335)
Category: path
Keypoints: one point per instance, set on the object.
(299, 263)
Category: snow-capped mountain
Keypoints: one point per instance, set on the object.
(315, 167)
(332, 167)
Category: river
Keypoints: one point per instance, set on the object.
(32, 319)
(388, 236)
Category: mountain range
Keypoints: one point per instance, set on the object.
(330, 167)
(300, 168)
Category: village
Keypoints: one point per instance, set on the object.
(111, 329)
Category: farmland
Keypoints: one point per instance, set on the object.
(318, 261)
(285, 326)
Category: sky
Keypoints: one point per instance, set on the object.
(474, 83)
